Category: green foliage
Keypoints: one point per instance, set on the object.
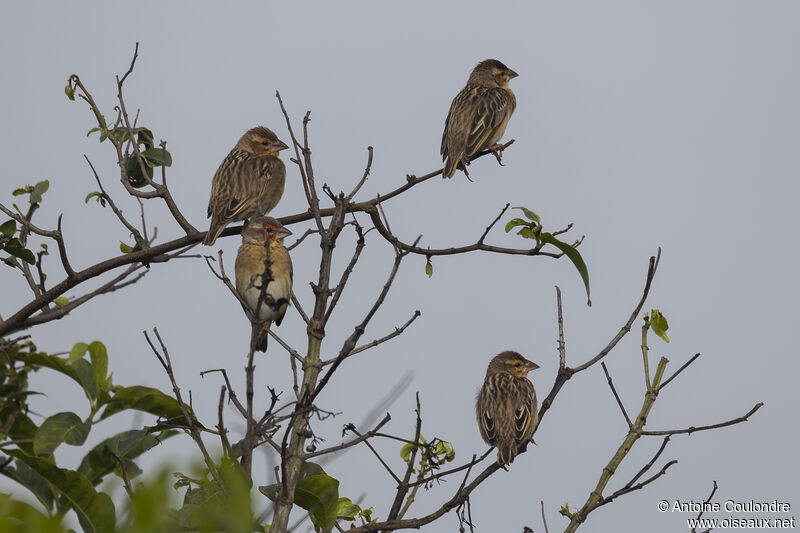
(429, 267)
(318, 493)
(11, 245)
(532, 229)
(658, 323)
(31, 446)
(151, 155)
(61, 427)
(209, 506)
(432, 455)
(95, 510)
(20, 517)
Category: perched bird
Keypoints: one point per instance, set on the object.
(249, 182)
(261, 252)
(478, 116)
(506, 405)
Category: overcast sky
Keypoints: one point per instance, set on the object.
(671, 124)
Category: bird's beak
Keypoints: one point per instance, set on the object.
(279, 145)
(512, 74)
(530, 365)
(283, 232)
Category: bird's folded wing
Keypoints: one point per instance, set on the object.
(491, 108)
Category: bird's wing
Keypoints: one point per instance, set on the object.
(457, 124)
(490, 107)
(488, 425)
(525, 413)
(236, 187)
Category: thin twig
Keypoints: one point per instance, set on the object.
(693, 429)
(616, 396)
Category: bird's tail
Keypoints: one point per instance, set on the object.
(263, 336)
(450, 167)
(213, 232)
(506, 454)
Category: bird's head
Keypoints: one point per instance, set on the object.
(261, 141)
(264, 229)
(491, 73)
(511, 363)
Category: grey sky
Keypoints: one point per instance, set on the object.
(671, 124)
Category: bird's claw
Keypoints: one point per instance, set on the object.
(497, 151)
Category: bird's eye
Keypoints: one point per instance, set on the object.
(265, 143)
(517, 364)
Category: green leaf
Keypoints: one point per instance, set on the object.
(8, 228)
(145, 399)
(530, 214)
(316, 492)
(92, 131)
(14, 247)
(576, 259)
(61, 301)
(530, 233)
(22, 190)
(79, 349)
(514, 222)
(62, 427)
(134, 171)
(99, 357)
(144, 136)
(157, 157)
(69, 92)
(95, 510)
(319, 495)
(124, 248)
(20, 517)
(429, 268)
(92, 195)
(658, 323)
(22, 428)
(405, 452)
(346, 509)
(31, 480)
(86, 377)
(127, 445)
(445, 449)
(38, 190)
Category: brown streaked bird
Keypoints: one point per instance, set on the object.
(249, 182)
(506, 405)
(260, 235)
(478, 116)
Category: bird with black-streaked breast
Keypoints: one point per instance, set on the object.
(478, 116)
(260, 236)
(248, 183)
(506, 406)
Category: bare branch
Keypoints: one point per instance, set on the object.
(694, 429)
(489, 227)
(376, 342)
(137, 237)
(345, 275)
(165, 361)
(616, 396)
(364, 177)
(681, 369)
(403, 486)
(651, 272)
(368, 435)
(703, 507)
